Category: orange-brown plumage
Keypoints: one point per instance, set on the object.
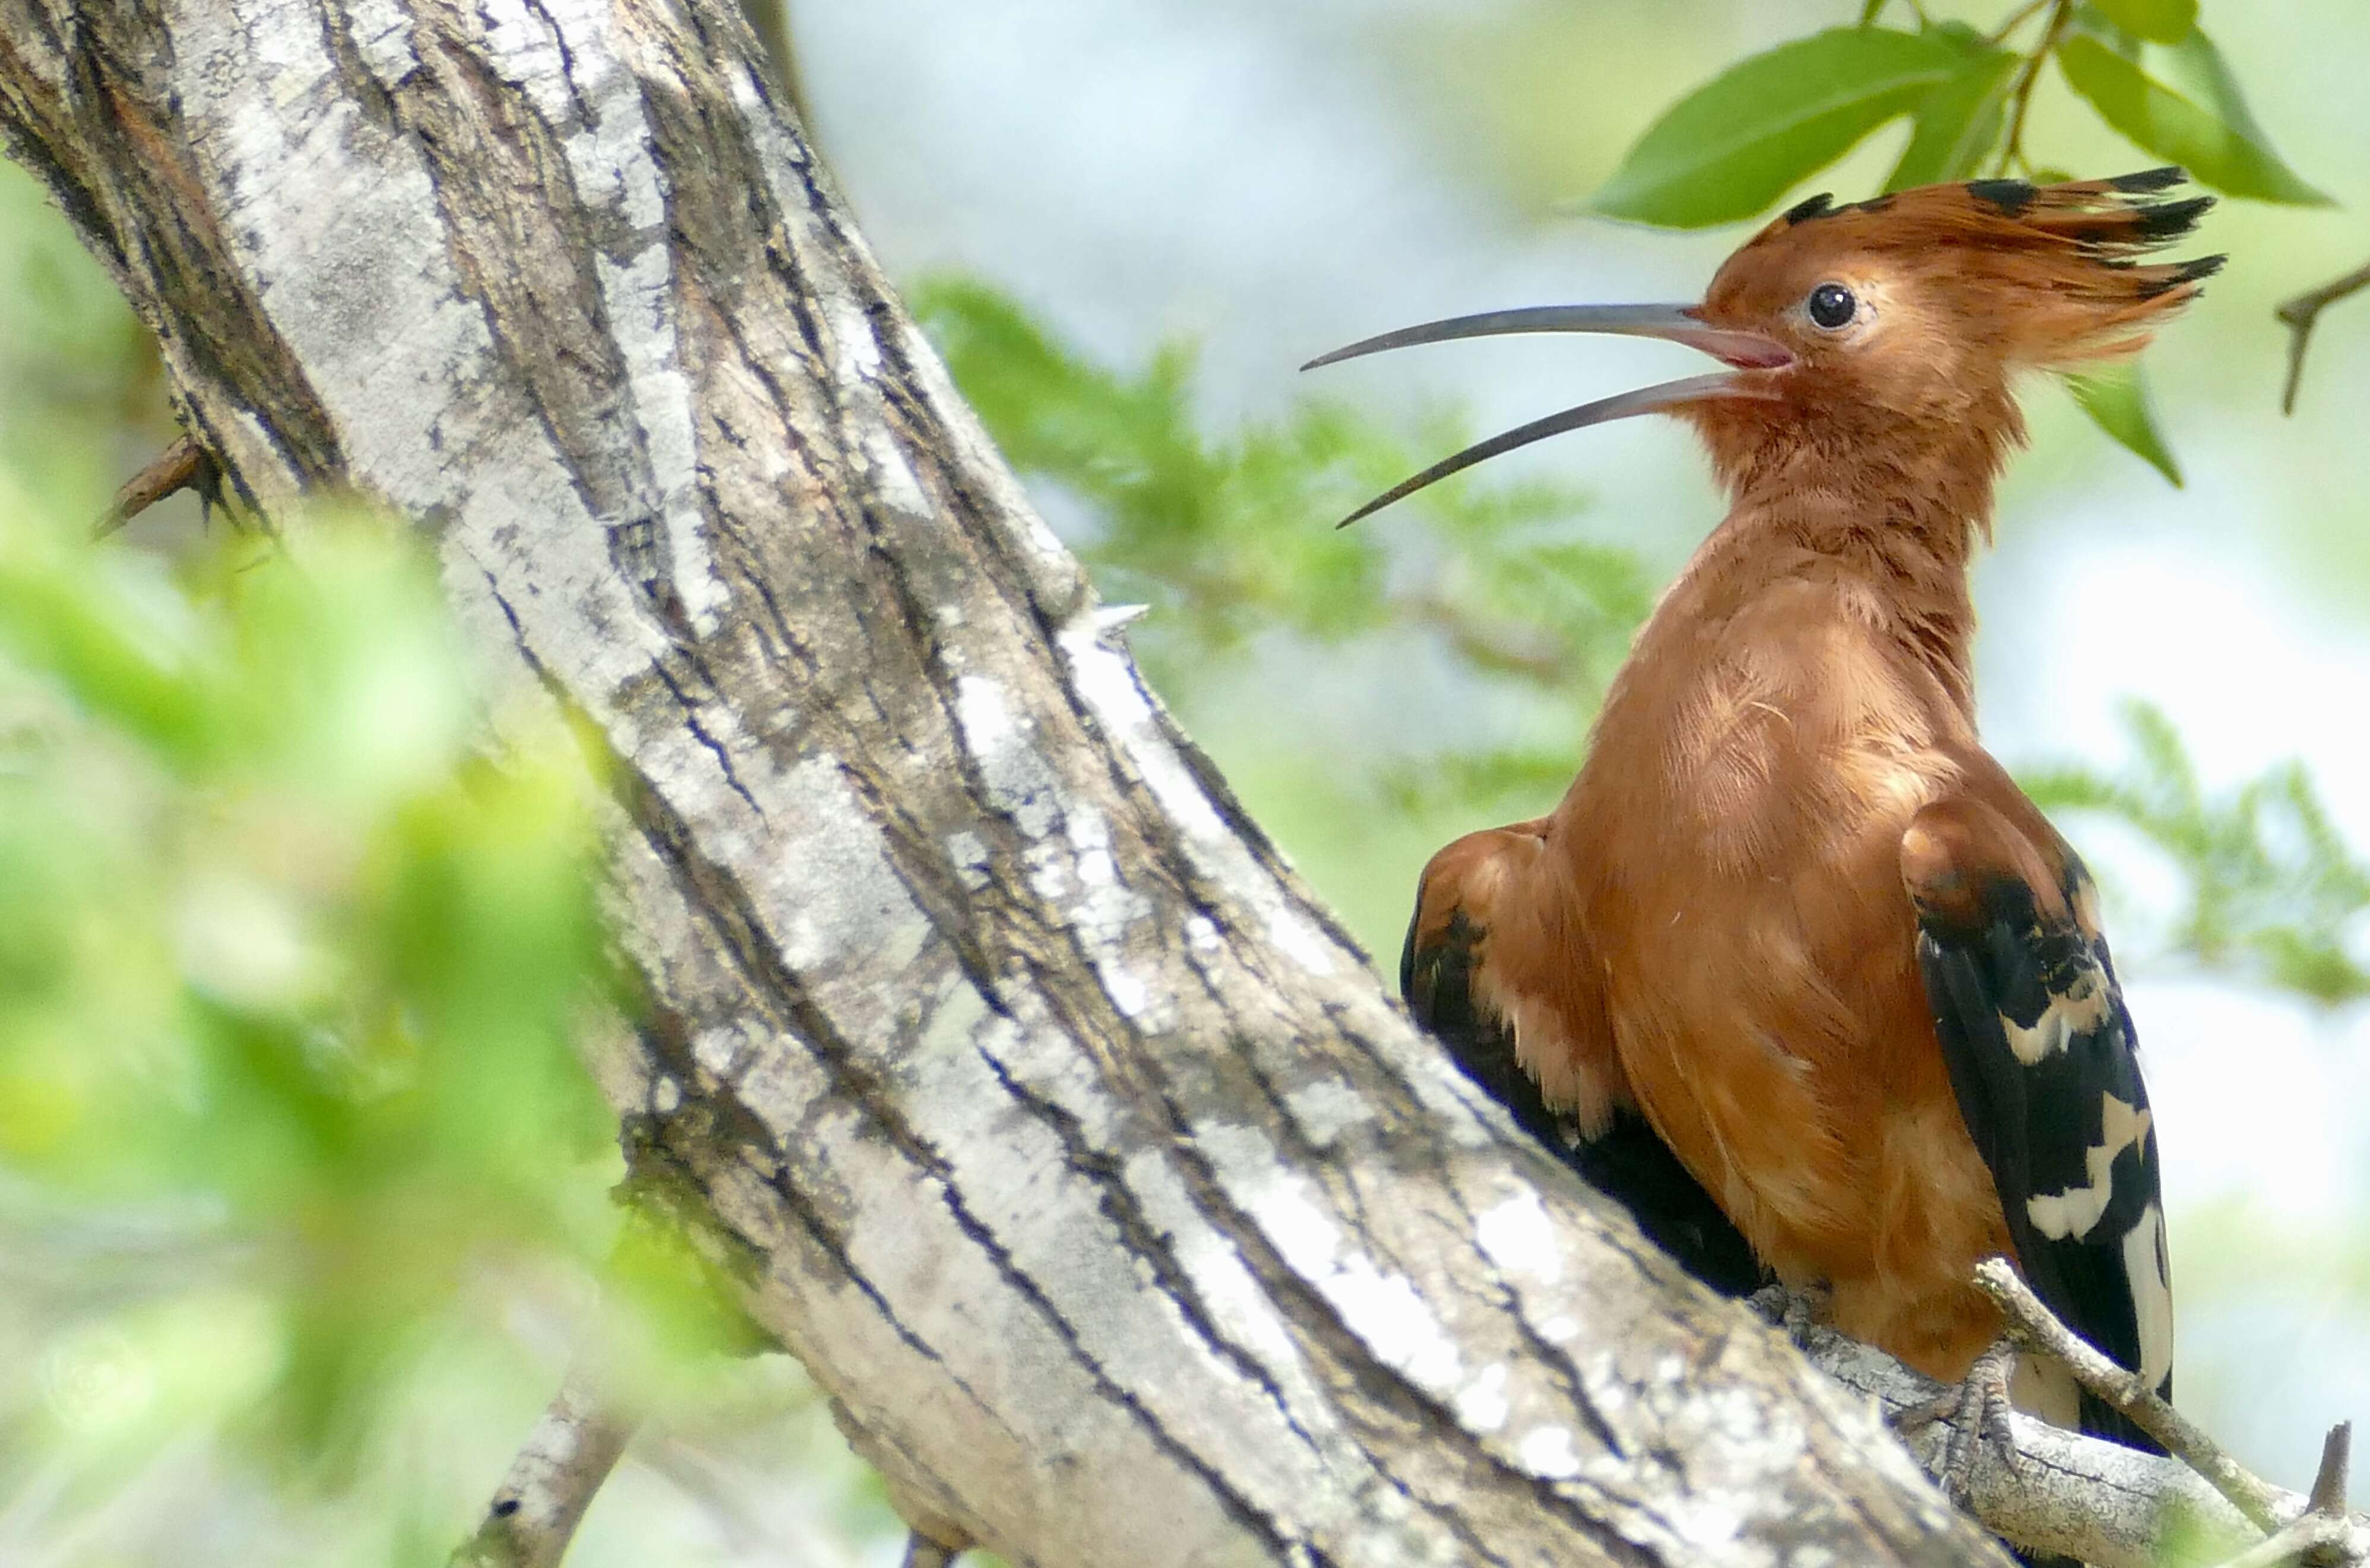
(1716, 926)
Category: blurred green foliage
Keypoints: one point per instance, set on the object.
(304, 1188)
(1229, 539)
(1730, 148)
(78, 372)
(284, 951)
(2273, 891)
(294, 966)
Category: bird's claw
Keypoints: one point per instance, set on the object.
(1977, 1412)
(1791, 1308)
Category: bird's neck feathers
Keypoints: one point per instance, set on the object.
(1924, 473)
(1889, 499)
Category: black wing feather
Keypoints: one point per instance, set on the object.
(2042, 1055)
(1628, 1160)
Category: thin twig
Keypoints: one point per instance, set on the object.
(2016, 19)
(184, 465)
(2040, 1330)
(2303, 312)
(2012, 153)
(562, 1464)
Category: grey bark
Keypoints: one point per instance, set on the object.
(1033, 1101)
(770, 20)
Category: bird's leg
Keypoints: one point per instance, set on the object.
(1792, 1308)
(1977, 1410)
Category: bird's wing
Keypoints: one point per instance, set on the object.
(1451, 984)
(2042, 1058)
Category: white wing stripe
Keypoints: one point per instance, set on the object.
(2079, 1009)
(2151, 1295)
(2073, 1212)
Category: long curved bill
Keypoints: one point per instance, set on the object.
(1677, 324)
(1646, 400)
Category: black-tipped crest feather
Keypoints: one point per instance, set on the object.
(2164, 220)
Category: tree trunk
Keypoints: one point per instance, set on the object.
(1042, 1113)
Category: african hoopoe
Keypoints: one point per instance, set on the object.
(1791, 920)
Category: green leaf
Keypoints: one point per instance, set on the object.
(2160, 21)
(2116, 399)
(1736, 144)
(2198, 119)
(1957, 124)
(2196, 67)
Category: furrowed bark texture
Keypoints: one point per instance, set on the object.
(1043, 1114)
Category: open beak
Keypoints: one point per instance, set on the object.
(1745, 352)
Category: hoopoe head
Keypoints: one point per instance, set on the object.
(1869, 332)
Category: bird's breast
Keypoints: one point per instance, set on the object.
(1770, 743)
(1737, 829)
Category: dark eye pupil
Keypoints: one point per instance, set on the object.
(1831, 305)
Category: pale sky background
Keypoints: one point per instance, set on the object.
(1275, 179)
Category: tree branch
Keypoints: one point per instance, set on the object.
(2316, 1522)
(562, 1464)
(2038, 1329)
(2077, 1496)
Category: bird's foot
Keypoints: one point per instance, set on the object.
(1791, 1308)
(1977, 1411)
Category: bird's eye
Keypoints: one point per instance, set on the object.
(1831, 305)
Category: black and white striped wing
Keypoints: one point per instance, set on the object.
(2042, 1058)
